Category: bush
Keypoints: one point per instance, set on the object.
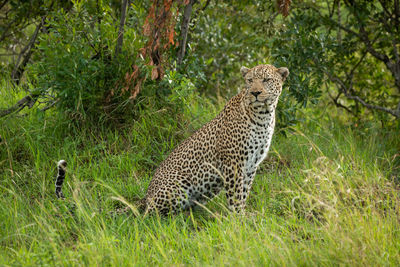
(75, 62)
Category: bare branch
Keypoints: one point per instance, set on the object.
(364, 37)
(335, 100)
(395, 113)
(345, 89)
(50, 105)
(385, 10)
(19, 68)
(349, 76)
(27, 101)
(3, 4)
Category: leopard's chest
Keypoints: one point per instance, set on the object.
(257, 146)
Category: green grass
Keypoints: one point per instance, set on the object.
(328, 194)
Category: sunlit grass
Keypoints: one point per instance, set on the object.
(327, 195)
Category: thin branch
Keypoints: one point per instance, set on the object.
(343, 88)
(364, 37)
(395, 52)
(19, 68)
(50, 105)
(329, 8)
(385, 10)
(338, 104)
(4, 35)
(3, 4)
(197, 14)
(350, 75)
(27, 101)
(88, 40)
(205, 5)
(395, 113)
(387, 16)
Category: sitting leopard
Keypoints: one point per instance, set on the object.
(223, 154)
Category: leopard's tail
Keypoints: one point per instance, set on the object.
(62, 167)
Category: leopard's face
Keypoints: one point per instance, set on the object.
(263, 85)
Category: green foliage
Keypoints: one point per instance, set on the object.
(332, 48)
(289, 50)
(17, 23)
(304, 83)
(75, 63)
(249, 34)
(229, 42)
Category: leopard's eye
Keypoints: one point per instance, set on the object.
(266, 80)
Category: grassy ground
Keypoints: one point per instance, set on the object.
(328, 194)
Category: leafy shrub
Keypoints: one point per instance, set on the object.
(75, 64)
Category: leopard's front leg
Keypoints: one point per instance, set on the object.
(234, 185)
(248, 181)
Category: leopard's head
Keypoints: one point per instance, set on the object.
(263, 85)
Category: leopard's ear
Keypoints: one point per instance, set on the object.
(284, 72)
(244, 70)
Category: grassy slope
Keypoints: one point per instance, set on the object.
(326, 195)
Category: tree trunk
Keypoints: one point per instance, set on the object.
(184, 31)
(120, 39)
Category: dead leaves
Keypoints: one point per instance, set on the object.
(283, 7)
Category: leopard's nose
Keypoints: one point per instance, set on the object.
(255, 93)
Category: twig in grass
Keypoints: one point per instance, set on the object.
(27, 101)
(50, 105)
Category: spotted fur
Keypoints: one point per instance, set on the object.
(224, 153)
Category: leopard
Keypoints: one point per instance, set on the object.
(223, 155)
